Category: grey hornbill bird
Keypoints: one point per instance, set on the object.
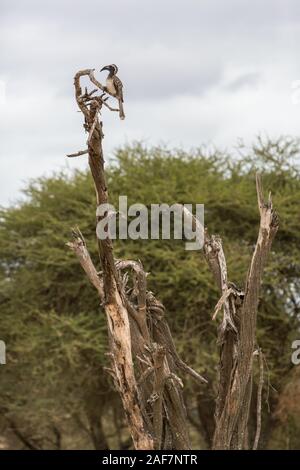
(114, 86)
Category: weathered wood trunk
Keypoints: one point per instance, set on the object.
(237, 337)
(144, 361)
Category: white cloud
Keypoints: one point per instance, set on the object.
(194, 72)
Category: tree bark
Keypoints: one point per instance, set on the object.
(140, 340)
(236, 368)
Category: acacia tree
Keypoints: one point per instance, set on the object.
(144, 361)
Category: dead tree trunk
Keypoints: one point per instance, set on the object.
(237, 333)
(144, 358)
(145, 363)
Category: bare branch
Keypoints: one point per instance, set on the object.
(221, 302)
(141, 293)
(109, 107)
(259, 399)
(79, 247)
(92, 128)
(78, 154)
(158, 357)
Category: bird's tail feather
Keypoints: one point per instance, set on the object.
(121, 110)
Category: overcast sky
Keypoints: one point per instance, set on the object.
(194, 72)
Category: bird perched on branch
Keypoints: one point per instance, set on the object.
(114, 86)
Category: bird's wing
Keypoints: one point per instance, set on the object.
(119, 87)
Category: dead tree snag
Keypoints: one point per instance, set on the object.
(237, 332)
(145, 363)
(238, 345)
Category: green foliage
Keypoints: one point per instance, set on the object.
(50, 316)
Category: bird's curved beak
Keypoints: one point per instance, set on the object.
(104, 68)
